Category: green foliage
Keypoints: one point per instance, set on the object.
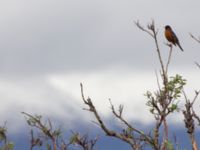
(169, 145)
(73, 139)
(8, 146)
(3, 139)
(48, 146)
(2, 133)
(44, 126)
(33, 120)
(166, 96)
(173, 107)
(175, 86)
(151, 102)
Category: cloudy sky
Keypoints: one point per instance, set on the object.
(47, 47)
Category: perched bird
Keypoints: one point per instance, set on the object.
(171, 36)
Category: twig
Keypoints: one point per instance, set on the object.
(169, 59)
(195, 38)
(198, 65)
(143, 29)
(196, 96)
(158, 81)
(153, 33)
(119, 116)
(84, 141)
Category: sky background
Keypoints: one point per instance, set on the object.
(47, 47)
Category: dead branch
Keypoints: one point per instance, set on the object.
(119, 116)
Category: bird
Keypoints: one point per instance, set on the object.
(171, 36)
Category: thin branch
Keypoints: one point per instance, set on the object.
(143, 29)
(84, 141)
(195, 38)
(169, 59)
(153, 33)
(119, 116)
(158, 81)
(184, 94)
(196, 96)
(198, 65)
(35, 121)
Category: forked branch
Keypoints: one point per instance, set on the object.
(122, 136)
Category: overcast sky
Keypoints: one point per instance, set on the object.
(47, 47)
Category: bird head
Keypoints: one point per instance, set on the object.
(167, 27)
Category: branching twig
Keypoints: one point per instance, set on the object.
(119, 116)
(35, 121)
(34, 142)
(153, 33)
(83, 141)
(143, 29)
(112, 133)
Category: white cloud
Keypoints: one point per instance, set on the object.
(58, 95)
(121, 86)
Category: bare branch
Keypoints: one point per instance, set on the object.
(198, 65)
(195, 38)
(157, 79)
(195, 97)
(142, 28)
(169, 59)
(153, 32)
(119, 116)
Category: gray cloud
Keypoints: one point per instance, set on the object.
(50, 36)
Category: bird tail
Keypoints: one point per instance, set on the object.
(180, 46)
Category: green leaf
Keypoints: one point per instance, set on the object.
(169, 145)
